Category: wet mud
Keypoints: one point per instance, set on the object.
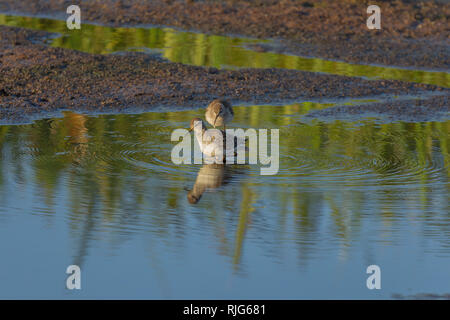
(434, 108)
(37, 79)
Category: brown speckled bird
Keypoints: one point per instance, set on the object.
(219, 113)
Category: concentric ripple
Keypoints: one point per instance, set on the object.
(359, 154)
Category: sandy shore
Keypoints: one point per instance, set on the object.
(413, 33)
(38, 80)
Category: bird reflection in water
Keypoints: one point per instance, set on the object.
(210, 177)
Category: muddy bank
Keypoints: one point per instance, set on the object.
(413, 33)
(37, 79)
(435, 108)
(419, 54)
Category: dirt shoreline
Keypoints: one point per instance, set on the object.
(435, 108)
(38, 80)
(413, 33)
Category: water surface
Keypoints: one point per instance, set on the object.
(101, 192)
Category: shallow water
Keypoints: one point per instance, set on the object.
(206, 50)
(101, 192)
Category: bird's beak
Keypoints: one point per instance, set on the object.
(214, 125)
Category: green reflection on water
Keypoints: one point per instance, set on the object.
(111, 169)
(357, 153)
(206, 50)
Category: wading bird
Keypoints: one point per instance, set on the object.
(219, 113)
(213, 143)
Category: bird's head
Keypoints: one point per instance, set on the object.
(197, 124)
